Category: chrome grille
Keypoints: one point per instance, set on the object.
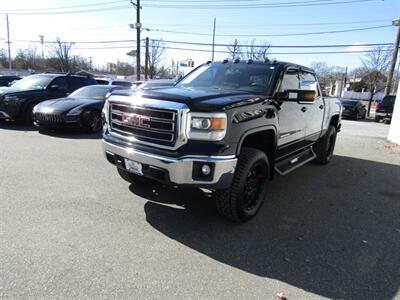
(144, 123)
(49, 118)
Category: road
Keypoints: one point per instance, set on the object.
(71, 228)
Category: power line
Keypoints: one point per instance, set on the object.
(276, 46)
(302, 4)
(64, 7)
(269, 35)
(216, 45)
(220, 51)
(67, 12)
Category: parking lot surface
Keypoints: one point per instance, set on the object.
(71, 228)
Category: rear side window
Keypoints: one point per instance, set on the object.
(122, 83)
(290, 81)
(76, 83)
(308, 82)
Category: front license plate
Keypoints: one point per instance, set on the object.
(133, 166)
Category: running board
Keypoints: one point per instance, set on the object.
(293, 162)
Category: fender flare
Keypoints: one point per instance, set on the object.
(255, 130)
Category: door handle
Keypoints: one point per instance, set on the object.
(304, 109)
(321, 106)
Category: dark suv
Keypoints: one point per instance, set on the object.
(17, 101)
(384, 108)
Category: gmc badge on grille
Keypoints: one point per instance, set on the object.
(135, 120)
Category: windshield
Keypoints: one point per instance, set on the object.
(34, 82)
(91, 92)
(254, 78)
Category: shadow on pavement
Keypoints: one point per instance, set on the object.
(71, 134)
(11, 125)
(331, 230)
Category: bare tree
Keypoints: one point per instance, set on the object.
(234, 50)
(3, 58)
(256, 52)
(327, 75)
(61, 51)
(375, 67)
(156, 51)
(28, 59)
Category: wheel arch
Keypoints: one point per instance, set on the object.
(261, 138)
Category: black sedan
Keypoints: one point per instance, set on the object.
(353, 109)
(81, 109)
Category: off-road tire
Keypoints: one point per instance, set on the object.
(133, 178)
(324, 147)
(230, 202)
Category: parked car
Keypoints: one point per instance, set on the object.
(81, 109)
(156, 84)
(104, 81)
(384, 108)
(17, 101)
(6, 80)
(353, 109)
(227, 127)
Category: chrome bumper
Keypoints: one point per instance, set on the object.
(180, 170)
(383, 114)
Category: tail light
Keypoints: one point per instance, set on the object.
(377, 105)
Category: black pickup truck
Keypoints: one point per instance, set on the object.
(227, 127)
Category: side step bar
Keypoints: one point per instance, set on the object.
(291, 163)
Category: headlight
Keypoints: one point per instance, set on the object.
(206, 126)
(11, 98)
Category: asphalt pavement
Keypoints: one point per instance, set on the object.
(71, 228)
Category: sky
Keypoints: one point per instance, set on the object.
(194, 23)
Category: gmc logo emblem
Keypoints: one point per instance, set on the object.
(135, 120)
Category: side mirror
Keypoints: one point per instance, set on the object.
(301, 96)
(54, 88)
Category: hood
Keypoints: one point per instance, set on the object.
(64, 105)
(17, 91)
(200, 99)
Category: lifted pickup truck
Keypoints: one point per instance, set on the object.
(226, 126)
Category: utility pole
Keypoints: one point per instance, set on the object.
(394, 59)
(344, 82)
(42, 42)
(138, 27)
(8, 42)
(213, 43)
(90, 63)
(146, 60)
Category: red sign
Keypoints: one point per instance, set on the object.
(135, 120)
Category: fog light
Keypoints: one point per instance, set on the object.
(206, 170)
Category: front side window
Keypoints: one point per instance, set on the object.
(61, 82)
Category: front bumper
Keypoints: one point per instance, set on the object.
(180, 171)
(383, 114)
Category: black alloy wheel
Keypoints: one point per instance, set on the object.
(94, 122)
(244, 198)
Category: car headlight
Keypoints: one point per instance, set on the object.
(206, 126)
(11, 98)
